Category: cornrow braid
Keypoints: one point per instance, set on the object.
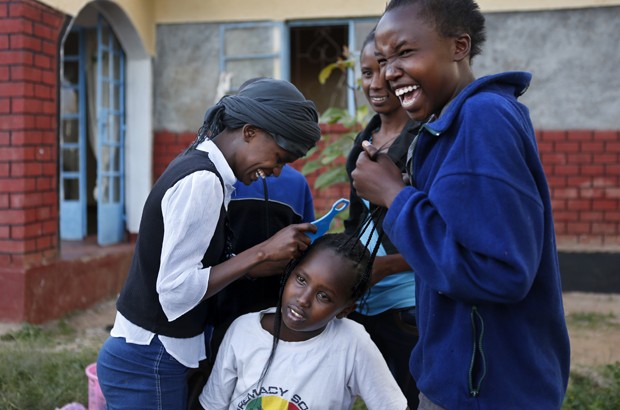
(346, 246)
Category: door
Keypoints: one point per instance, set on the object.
(73, 222)
(110, 136)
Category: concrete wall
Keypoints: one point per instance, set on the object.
(573, 55)
(574, 58)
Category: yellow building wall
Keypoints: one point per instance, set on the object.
(146, 14)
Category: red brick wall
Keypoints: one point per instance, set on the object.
(29, 35)
(582, 167)
(583, 170)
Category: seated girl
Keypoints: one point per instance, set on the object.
(295, 356)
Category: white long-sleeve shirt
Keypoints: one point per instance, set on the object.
(190, 209)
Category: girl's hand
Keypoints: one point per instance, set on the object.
(376, 177)
(287, 243)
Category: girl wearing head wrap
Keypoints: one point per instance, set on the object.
(182, 256)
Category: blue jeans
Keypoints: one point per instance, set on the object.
(135, 376)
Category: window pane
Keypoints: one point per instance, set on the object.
(70, 130)
(71, 189)
(243, 70)
(116, 190)
(250, 40)
(70, 160)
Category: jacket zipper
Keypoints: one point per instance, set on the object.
(474, 388)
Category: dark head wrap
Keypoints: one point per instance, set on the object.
(275, 106)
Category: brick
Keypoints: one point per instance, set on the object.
(5, 105)
(605, 158)
(4, 41)
(557, 181)
(43, 31)
(5, 169)
(566, 170)
(4, 74)
(18, 89)
(4, 10)
(613, 193)
(10, 26)
(25, 9)
(612, 216)
(606, 135)
(564, 216)
(26, 169)
(44, 184)
(18, 185)
(26, 74)
(565, 193)
(579, 181)
(25, 200)
(579, 135)
(578, 228)
(560, 228)
(50, 227)
(594, 147)
(16, 154)
(44, 242)
(591, 216)
(605, 205)
(592, 193)
(44, 214)
(5, 232)
(579, 158)
(553, 158)
(16, 122)
(4, 200)
(44, 91)
(553, 136)
(25, 137)
(25, 105)
(604, 228)
(16, 57)
(613, 169)
(49, 199)
(567, 147)
(593, 170)
(612, 146)
(25, 42)
(43, 61)
(579, 204)
(44, 122)
(17, 216)
(27, 231)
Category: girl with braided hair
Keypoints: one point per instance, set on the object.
(296, 356)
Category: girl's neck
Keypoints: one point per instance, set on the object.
(392, 125)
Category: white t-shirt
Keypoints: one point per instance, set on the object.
(325, 372)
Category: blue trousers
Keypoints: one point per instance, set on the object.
(135, 376)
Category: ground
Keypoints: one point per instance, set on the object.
(593, 320)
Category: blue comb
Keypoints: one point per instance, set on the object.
(325, 221)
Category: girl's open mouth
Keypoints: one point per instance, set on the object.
(407, 95)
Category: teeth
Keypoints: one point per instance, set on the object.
(406, 90)
(378, 99)
(260, 174)
(297, 315)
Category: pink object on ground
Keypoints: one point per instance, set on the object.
(96, 401)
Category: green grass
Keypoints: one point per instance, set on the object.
(38, 373)
(599, 390)
(591, 320)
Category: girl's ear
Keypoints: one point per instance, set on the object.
(345, 312)
(462, 48)
(249, 132)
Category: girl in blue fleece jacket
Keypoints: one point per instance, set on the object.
(475, 224)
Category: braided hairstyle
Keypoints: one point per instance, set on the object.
(450, 18)
(347, 247)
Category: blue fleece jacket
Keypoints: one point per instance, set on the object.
(477, 228)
